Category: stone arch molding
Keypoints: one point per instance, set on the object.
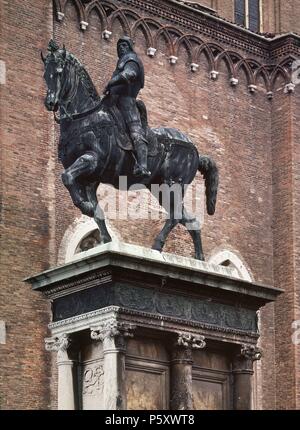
(153, 31)
(73, 236)
(232, 260)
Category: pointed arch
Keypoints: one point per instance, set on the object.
(120, 16)
(262, 72)
(173, 30)
(108, 4)
(163, 32)
(58, 7)
(287, 61)
(100, 12)
(230, 259)
(152, 21)
(215, 49)
(79, 7)
(184, 40)
(243, 65)
(142, 25)
(278, 71)
(205, 49)
(234, 56)
(224, 56)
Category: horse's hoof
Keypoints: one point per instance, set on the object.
(158, 246)
(106, 239)
(200, 257)
(87, 209)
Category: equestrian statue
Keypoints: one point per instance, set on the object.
(103, 138)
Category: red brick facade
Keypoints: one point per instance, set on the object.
(252, 136)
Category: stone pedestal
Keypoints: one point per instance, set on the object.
(136, 329)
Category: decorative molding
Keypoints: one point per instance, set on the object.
(194, 67)
(154, 301)
(65, 288)
(200, 33)
(106, 34)
(290, 88)
(173, 59)
(252, 88)
(83, 25)
(234, 82)
(60, 16)
(214, 75)
(151, 52)
(149, 321)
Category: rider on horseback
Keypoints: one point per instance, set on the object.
(126, 82)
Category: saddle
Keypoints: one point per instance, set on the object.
(122, 137)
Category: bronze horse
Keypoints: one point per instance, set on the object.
(95, 148)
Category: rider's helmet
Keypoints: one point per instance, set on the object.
(128, 40)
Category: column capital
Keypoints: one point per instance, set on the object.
(58, 343)
(188, 340)
(183, 346)
(250, 352)
(245, 357)
(112, 329)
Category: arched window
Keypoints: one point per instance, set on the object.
(81, 236)
(248, 14)
(229, 259)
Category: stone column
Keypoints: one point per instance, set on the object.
(113, 335)
(242, 376)
(66, 389)
(181, 370)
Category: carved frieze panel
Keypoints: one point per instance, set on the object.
(92, 386)
(156, 302)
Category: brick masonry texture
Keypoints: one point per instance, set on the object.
(252, 139)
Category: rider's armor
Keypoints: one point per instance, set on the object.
(128, 79)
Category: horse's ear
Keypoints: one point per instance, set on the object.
(42, 57)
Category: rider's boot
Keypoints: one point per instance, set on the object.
(141, 168)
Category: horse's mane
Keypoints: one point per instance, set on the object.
(83, 75)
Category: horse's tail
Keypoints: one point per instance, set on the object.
(143, 113)
(209, 170)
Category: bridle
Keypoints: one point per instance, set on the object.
(63, 103)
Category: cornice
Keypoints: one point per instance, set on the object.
(199, 32)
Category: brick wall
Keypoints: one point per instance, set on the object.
(26, 147)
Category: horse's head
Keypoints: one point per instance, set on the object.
(54, 64)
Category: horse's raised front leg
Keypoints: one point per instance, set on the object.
(83, 167)
(193, 227)
(91, 191)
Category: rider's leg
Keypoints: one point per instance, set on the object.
(141, 149)
(83, 167)
(132, 118)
